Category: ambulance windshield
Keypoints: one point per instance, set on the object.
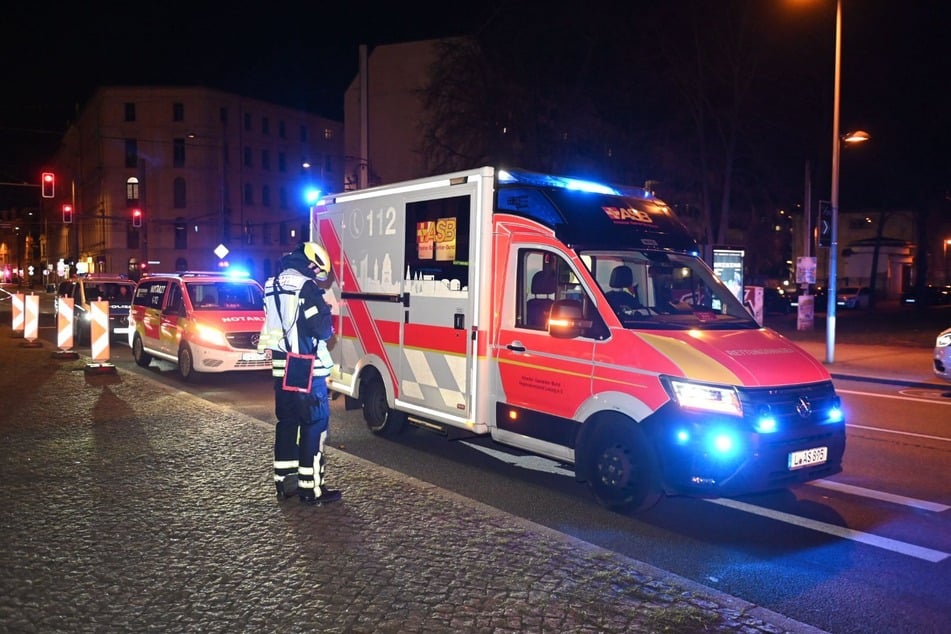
(661, 290)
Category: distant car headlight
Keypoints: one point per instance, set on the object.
(710, 398)
(944, 340)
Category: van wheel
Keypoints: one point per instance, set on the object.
(381, 420)
(623, 474)
(142, 358)
(186, 363)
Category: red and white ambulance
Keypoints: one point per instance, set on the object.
(573, 320)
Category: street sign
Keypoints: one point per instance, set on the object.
(825, 223)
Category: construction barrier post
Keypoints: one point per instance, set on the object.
(99, 337)
(17, 307)
(31, 322)
(64, 329)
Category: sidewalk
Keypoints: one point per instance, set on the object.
(892, 364)
(129, 506)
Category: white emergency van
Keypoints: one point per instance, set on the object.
(573, 320)
(204, 322)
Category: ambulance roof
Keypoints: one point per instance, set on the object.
(589, 215)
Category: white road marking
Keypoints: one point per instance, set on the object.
(945, 401)
(900, 433)
(880, 495)
(903, 548)
(533, 463)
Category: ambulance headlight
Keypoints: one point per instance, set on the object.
(211, 335)
(706, 397)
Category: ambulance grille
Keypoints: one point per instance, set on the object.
(244, 340)
(792, 407)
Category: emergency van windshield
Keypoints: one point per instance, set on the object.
(659, 290)
(225, 295)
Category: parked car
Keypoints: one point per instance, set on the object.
(115, 289)
(853, 297)
(203, 322)
(942, 355)
(777, 301)
(930, 295)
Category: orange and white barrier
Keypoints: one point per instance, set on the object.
(31, 323)
(64, 324)
(17, 307)
(99, 331)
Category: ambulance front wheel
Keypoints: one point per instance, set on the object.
(380, 419)
(623, 472)
(142, 358)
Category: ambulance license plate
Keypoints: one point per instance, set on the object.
(807, 457)
(252, 356)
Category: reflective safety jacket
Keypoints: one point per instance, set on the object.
(297, 319)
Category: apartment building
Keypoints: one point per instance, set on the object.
(186, 178)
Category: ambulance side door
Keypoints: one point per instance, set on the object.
(437, 353)
(542, 379)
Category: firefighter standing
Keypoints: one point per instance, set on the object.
(298, 320)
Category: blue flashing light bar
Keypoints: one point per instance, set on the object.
(562, 182)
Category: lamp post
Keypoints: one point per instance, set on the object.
(837, 140)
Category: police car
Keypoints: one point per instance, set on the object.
(205, 322)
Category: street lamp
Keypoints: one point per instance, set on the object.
(837, 140)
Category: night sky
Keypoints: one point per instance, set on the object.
(896, 65)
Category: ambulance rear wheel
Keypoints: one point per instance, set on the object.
(186, 363)
(380, 419)
(624, 475)
(142, 358)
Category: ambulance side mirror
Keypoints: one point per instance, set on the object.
(566, 320)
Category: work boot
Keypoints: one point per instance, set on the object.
(326, 497)
(287, 487)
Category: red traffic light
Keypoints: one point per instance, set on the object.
(136, 217)
(48, 184)
(67, 213)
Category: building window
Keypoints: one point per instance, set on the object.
(178, 153)
(178, 193)
(178, 111)
(328, 134)
(265, 125)
(181, 264)
(265, 159)
(281, 162)
(281, 130)
(248, 194)
(131, 153)
(266, 233)
(303, 134)
(248, 158)
(282, 238)
(328, 164)
(282, 195)
(132, 191)
(247, 121)
(266, 196)
(181, 237)
(129, 111)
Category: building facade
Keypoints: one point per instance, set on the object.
(186, 178)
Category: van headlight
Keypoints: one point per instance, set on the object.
(705, 397)
(211, 335)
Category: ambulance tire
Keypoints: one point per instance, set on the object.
(624, 473)
(142, 358)
(186, 363)
(380, 419)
